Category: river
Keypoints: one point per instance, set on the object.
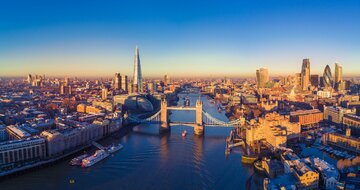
(152, 162)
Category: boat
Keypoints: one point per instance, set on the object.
(78, 160)
(114, 148)
(259, 167)
(184, 133)
(95, 158)
(248, 159)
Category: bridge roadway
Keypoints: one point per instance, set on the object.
(180, 108)
(192, 124)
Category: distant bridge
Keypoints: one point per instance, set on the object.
(202, 118)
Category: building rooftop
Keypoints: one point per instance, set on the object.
(304, 112)
(18, 131)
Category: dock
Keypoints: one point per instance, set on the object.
(97, 145)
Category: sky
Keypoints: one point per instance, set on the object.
(179, 37)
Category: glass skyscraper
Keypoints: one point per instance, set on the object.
(327, 77)
(137, 78)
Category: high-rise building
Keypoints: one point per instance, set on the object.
(314, 79)
(124, 83)
(66, 81)
(327, 77)
(104, 92)
(305, 74)
(151, 87)
(62, 89)
(117, 81)
(137, 78)
(338, 73)
(29, 79)
(298, 79)
(262, 77)
(166, 80)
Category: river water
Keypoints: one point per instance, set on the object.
(152, 162)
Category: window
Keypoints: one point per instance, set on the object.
(16, 156)
(11, 156)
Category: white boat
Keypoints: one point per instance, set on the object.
(184, 133)
(95, 158)
(114, 148)
(78, 160)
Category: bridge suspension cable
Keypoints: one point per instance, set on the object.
(210, 120)
(152, 119)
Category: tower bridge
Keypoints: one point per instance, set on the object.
(202, 118)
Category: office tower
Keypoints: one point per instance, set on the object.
(124, 83)
(166, 80)
(151, 87)
(104, 92)
(29, 79)
(117, 81)
(314, 79)
(338, 73)
(305, 74)
(137, 78)
(327, 78)
(62, 89)
(262, 77)
(298, 79)
(69, 89)
(66, 81)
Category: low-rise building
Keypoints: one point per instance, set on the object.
(345, 142)
(3, 135)
(335, 114)
(81, 108)
(329, 174)
(353, 121)
(17, 152)
(273, 128)
(273, 167)
(15, 132)
(61, 141)
(306, 117)
(307, 177)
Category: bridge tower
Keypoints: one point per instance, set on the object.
(164, 116)
(199, 127)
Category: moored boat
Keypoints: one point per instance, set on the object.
(78, 160)
(248, 159)
(95, 158)
(114, 148)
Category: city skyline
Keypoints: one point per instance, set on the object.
(91, 40)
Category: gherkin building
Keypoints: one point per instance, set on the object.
(327, 77)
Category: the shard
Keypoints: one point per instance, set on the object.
(137, 78)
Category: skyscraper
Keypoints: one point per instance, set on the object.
(338, 73)
(327, 78)
(137, 80)
(262, 77)
(29, 79)
(305, 74)
(104, 92)
(297, 79)
(117, 81)
(314, 79)
(124, 83)
(166, 80)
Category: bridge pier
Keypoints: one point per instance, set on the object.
(199, 127)
(164, 126)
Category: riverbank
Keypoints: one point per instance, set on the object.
(45, 163)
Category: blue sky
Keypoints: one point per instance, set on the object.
(179, 38)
